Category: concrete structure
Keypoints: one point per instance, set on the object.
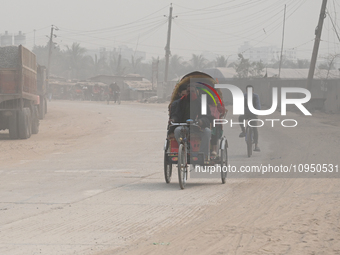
(6, 39)
(266, 54)
(20, 38)
(325, 89)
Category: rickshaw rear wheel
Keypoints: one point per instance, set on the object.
(224, 162)
(167, 169)
(249, 137)
(182, 166)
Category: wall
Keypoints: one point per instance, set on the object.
(324, 93)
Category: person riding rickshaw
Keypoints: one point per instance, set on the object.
(189, 129)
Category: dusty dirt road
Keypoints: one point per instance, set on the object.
(91, 182)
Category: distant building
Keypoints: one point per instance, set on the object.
(124, 51)
(127, 53)
(20, 39)
(266, 54)
(6, 39)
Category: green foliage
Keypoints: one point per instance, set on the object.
(245, 69)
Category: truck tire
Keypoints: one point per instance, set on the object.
(24, 123)
(35, 120)
(13, 126)
(42, 110)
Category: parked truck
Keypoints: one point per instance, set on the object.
(19, 96)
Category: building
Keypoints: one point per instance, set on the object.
(20, 39)
(266, 54)
(6, 39)
(132, 86)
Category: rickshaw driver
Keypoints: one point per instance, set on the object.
(189, 107)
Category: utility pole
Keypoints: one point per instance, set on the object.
(318, 31)
(283, 36)
(155, 74)
(167, 53)
(50, 53)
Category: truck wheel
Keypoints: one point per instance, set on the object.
(13, 126)
(42, 109)
(24, 123)
(35, 120)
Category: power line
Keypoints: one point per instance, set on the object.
(334, 27)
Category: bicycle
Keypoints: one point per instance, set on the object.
(249, 138)
(117, 97)
(182, 161)
(187, 152)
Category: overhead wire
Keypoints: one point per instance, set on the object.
(222, 22)
(123, 25)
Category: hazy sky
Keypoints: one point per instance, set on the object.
(217, 26)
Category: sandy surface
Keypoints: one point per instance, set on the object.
(91, 182)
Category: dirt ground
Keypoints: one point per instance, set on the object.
(91, 182)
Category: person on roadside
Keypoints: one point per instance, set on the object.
(116, 92)
(248, 115)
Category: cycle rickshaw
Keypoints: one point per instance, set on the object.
(188, 151)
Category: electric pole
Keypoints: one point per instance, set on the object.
(318, 31)
(167, 53)
(283, 36)
(50, 52)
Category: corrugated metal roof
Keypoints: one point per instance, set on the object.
(139, 85)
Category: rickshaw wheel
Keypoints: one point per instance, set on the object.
(167, 169)
(182, 166)
(224, 162)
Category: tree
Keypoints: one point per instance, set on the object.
(286, 63)
(41, 53)
(75, 55)
(303, 63)
(221, 61)
(58, 65)
(135, 64)
(329, 64)
(95, 66)
(198, 62)
(257, 69)
(176, 66)
(243, 67)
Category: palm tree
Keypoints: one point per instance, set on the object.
(176, 66)
(198, 62)
(75, 56)
(135, 64)
(221, 61)
(94, 66)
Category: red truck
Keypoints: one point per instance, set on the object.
(20, 103)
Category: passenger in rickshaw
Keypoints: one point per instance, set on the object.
(179, 92)
(189, 107)
(218, 112)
